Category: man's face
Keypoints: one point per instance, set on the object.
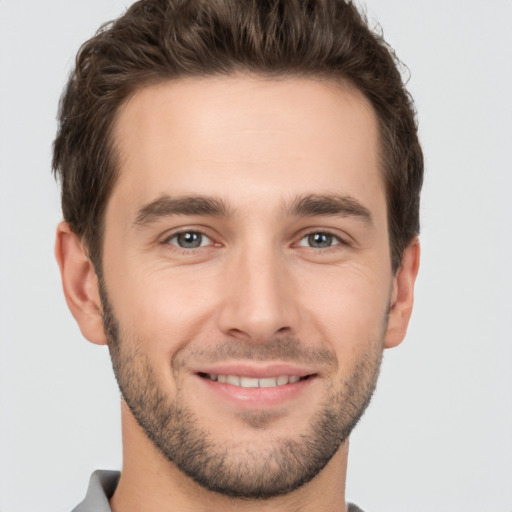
(247, 276)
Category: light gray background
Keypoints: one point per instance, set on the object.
(437, 436)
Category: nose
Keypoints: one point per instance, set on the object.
(258, 297)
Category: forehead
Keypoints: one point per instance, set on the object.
(247, 138)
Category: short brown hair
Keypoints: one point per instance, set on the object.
(158, 40)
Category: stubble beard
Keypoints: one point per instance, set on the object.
(249, 473)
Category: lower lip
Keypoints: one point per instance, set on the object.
(257, 397)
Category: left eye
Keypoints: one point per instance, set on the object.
(319, 240)
(189, 240)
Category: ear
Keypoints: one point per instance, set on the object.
(402, 295)
(80, 284)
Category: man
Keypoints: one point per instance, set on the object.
(240, 189)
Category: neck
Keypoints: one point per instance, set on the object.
(150, 483)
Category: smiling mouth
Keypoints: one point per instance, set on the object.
(254, 382)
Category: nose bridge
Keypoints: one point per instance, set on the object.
(258, 296)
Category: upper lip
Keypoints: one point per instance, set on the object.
(266, 370)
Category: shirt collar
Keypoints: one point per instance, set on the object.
(101, 488)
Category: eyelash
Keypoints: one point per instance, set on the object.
(336, 240)
(201, 234)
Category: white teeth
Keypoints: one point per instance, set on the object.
(248, 382)
(233, 379)
(254, 382)
(269, 382)
(282, 379)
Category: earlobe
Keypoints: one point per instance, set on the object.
(79, 283)
(402, 296)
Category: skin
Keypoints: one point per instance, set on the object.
(257, 145)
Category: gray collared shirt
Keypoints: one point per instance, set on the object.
(102, 486)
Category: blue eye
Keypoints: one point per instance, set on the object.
(189, 240)
(319, 240)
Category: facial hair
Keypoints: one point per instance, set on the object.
(241, 471)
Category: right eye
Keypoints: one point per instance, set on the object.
(189, 240)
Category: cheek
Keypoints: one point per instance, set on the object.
(164, 309)
(348, 307)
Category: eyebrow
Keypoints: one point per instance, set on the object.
(167, 206)
(302, 206)
(327, 205)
